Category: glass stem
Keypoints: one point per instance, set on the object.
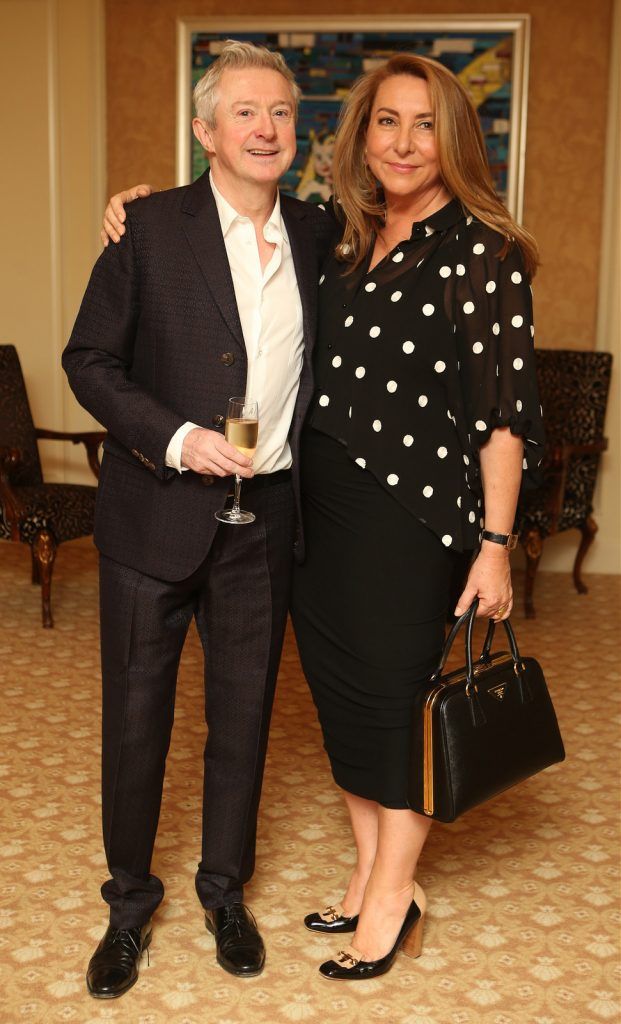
(238, 481)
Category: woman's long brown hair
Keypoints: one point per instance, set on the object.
(462, 160)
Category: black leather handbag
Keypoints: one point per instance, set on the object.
(482, 728)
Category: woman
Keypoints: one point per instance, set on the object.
(425, 413)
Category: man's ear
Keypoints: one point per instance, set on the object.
(203, 134)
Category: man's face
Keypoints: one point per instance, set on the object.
(253, 141)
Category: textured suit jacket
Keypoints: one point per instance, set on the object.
(157, 342)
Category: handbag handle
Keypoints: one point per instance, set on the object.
(515, 654)
(468, 619)
(467, 616)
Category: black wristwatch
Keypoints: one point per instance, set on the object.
(508, 540)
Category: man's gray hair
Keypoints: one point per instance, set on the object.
(236, 56)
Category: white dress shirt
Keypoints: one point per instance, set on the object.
(270, 311)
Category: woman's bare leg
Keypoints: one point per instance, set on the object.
(364, 823)
(401, 837)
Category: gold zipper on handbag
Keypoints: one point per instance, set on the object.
(430, 702)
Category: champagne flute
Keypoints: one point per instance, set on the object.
(241, 430)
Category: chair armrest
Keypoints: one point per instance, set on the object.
(569, 450)
(561, 453)
(558, 466)
(10, 458)
(91, 439)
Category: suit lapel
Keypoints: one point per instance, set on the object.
(201, 225)
(303, 250)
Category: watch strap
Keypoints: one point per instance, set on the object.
(508, 540)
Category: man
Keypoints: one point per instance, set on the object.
(209, 294)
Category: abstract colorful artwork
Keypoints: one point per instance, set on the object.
(488, 54)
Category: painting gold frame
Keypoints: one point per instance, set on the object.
(515, 26)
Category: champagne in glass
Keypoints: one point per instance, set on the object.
(242, 431)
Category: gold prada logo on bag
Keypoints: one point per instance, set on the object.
(445, 685)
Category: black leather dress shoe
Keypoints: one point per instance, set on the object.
(113, 967)
(239, 947)
(331, 921)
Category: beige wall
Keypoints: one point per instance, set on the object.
(565, 166)
(607, 509)
(605, 554)
(566, 124)
(51, 111)
(53, 60)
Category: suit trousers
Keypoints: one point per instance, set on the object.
(239, 598)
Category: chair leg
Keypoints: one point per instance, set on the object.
(36, 575)
(44, 552)
(588, 530)
(533, 546)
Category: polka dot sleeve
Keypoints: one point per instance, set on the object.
(331, 208)
(494, 329)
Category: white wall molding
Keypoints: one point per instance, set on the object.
(607, 509)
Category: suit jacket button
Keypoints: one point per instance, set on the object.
(136, 452)
(149, 464)
(227, 358)
(207, 479)
(218, 421)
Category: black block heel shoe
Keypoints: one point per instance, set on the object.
(349, 965)
(331, 921)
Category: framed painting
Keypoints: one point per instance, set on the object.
(488, 53)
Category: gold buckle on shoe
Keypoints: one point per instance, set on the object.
(347, 960)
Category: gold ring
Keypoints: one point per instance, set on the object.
(502, 609)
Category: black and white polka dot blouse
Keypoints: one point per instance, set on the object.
(418, 360)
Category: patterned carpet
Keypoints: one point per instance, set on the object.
(523, 922)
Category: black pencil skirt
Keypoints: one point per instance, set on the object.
(369, 609)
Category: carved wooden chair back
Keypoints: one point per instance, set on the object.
(574, 389)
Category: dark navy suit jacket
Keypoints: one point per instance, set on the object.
(158, 342)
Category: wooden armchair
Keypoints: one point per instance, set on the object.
(574, 392)
(31, 511)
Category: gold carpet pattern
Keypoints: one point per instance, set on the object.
(523, 921)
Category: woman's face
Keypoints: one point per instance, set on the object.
(401, 145)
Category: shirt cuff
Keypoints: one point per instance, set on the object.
(173, 452)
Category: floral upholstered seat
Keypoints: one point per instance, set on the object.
(33, 512)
